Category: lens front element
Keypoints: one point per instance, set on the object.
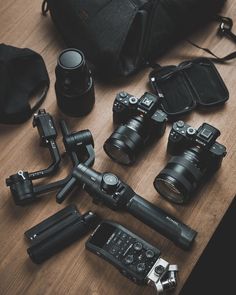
(181, 177)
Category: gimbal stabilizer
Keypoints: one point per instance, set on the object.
(108, 189)
(78, 145)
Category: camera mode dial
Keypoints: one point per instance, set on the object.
(110, 183)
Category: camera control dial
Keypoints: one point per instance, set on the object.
(191, 131)
(109, 182)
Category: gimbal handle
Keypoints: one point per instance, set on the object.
(108, 189)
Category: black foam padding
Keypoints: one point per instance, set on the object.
(190, 84)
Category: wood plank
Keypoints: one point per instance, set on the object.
(76, 271)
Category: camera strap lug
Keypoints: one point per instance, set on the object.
(45, 7)
(225, 27)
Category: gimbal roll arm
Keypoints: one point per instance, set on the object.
(78, 145)
(48, 134)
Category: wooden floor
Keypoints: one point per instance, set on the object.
(75, 270)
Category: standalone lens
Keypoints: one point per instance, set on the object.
(74, 84)
(124, 145)
(181, 177)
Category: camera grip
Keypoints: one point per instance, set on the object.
(182, 235)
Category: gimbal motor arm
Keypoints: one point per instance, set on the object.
(79, 146)
(48, 134)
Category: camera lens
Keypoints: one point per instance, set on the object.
(124, 145)
(181, 177)
(74, 84)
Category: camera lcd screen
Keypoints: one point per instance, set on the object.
(102, 235)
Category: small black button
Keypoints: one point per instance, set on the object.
(138, 246)
(119, 242)
(123, 236)
(141, 267)
(113, 250)
(140, 257)
(119, 233)
(123, 94)
(129, 259)
(150, 254)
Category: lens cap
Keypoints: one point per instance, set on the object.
(71, 59)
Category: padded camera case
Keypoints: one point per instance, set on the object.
(190, 84)
(122, 36)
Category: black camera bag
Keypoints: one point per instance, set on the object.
(122, 36)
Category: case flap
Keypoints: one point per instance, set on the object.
(191, 83)
(172, 87)
(205, 80)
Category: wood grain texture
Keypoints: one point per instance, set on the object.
(76, 271)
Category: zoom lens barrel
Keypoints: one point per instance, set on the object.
(128, 140)
(179, 180)
(74, 84)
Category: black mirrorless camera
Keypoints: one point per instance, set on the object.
(197, 156)
(141, 122)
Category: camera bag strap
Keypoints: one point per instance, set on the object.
(225, 30)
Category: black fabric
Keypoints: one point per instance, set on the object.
(192, 83)
(23, 74)
(121, 36)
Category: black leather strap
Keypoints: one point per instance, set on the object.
(225, 30)
(216, 58)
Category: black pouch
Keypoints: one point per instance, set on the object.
(121, 36)
(23, 76)
(190, 84)
(58, 232)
